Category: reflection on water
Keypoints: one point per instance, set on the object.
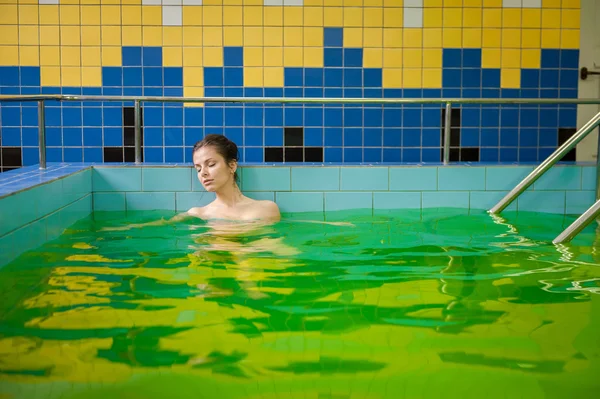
(391, 306)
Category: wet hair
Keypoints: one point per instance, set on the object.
(225, 147)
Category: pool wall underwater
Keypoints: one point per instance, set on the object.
(36, 206)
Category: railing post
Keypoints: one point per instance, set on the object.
(138, 132)
(598, 168)
(447, 130)
(42, 133)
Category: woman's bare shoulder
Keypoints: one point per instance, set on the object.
(199, 211)
(267, 209)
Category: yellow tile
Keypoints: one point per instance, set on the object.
(9, 14)
(253, 77)
(569, 39)
(317, 2)
(69, 15)
(511, 18)
(173, 56)
(111, 56)
(253, 56)
(492, 38)
(192, 36)
(193, 76)
(192, 16)
(413, 37)
(333, 16)
(353, 37)
(511, 38)
(71, 35)
(212, 15)
(91, 76)
(273, 56)
(313, 57)
(472, 3)
(49, 14)
(491, 58)
(212, 36)
(551, 3)
(373, 17)
(373, 37)
(214, 2)
(90, 35)
(392, 18)
(353, 3)
(131, 35)
(253, 16)
(492, 3)
(292, 36)
(152, 35)
(532, 18)
(273, 36)
(253, 36)
(29, 56)
(293, 56)
(28, 14)
(453, 17)
(90, 15)
(233, 36)
(49, 55)
(152, 15)
(472, 38)
(411, 78)
(531, 58)
(392, 38)
(432, 17)
(551, 18)
(274, 77)
(551, 38)
(232, 16)
(571, 3)
(273, 16)
(9, 55)
(9, 34)
(432, 58)
(29, 35)
(50, 76)
(191, 92)
(212, 56)
(372, 58)
(531, 38)
(131, 15)
(110, 15)
(412, 58)
(432, 38)
(510, 79)
(472, 17)
(293, 16)
(172, 36)
(333, 2)
(511, 58)
(492, 18)
(192, 56)
(392, 58)
(70, 76)
(353, 16)
(90, 56)
(313, 16)
(452, 37)
(570, 18)
(313, 37)
(70, 56)
(430, 3)
(432, 78)
(453, 3)
(392, 78)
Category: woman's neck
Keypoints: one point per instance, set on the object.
(230, 196)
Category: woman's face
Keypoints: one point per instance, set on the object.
(213, 172)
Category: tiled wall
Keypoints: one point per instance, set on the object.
(292, 48)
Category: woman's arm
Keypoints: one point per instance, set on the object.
(177, 218)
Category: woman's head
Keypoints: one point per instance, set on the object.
(215, 159)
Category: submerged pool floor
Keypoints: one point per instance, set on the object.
(406, 305)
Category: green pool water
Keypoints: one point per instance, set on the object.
(404, 305)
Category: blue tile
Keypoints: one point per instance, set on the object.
(173, 136)
(471, 78)
(132, 56)
(72, 137)
(578, 202)
(411, 137)
(392, 117)
(173, 76)
(11, 116)
(469, 137)
(234, 116)
(333, 37)
(300, 202)
(352, 118)
(451, 78)
(313, 77)
(152, 56)
(529, 117)
(254, 116)
(293, 117)
(509, 117)
(372, 77)
(30, 76)
(569, 59)
(353, 57)
(461, 178)
(548, 137)
(174, 154)
(530, 78)
(313, 136)
(113, 136)
(150, 201)
(490, 117)
(373, 137)
(92, 116)
(347, 200)
(109, 202)
(353, 78)
(266, 179)
(567, 117)
(333, 78)
(527, 155)
(432, 118)
(391, 201)
(9, 76)
(213, 76)
(116, 179)
(471, 58)
(253, 137)
(413, 178)
(11, 136)
(447, 199)
(508, 154)
(373, 117)
(509, 137)
(132, 77)
(392, 155)
(364, 179)
(193, 116)
(72, 116)
(549, 78)
(333, 117)
(505, 178)
(273, 137)
(372, 155)
(470, 117)
(293, 77)
(352, 137)
(588, 178)
(333, 154)
(233, 56)
(487, 199)
(353, 155)
(411, 155)
(31, 156)
(569, 78)
(233, 77)
(543, 202)
(411, 117)
(560, 178)
(333, 57)
(213, 117)
(92, 154)
(451, 58)
(528, 138)
(550, 58)
(333, 137)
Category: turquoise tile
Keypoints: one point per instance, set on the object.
(445, 199)
(319, 178)
(117, 179)
(406, 200)
(579, 201)
(50, 197)
(150, 201)
(109, 202)
(542, 201)
(588, 177)
(7, 249)
(461, 178)
(77, 185)
(76, 211)
(505, 178)
(166, 179)
(54, 226)
(11, 209)
(186, 201)
(364, 179)
(560, 178)
(413, 179)
(266, 179)
(487, 199)
(261, 195)
(29, 236)
(197, 186)
(347, 200)
(300, 202)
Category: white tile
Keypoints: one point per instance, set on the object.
(171, 2)
(512, 3)
(192, 2)
(48, 1)
(413, 17)
(151, 2)
(273, 2)
(293, 2)
(413, 3)
(532, 3)
(172, 15)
